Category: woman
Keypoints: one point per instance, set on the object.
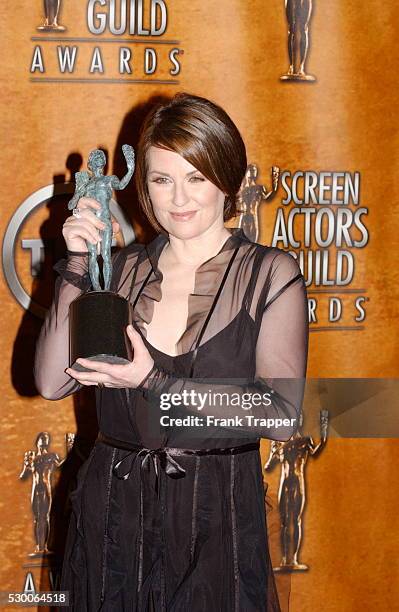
(169, 517)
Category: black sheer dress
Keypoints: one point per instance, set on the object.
(172, 518)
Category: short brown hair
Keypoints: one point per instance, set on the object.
(204, 135)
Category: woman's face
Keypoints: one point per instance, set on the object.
(185, 203)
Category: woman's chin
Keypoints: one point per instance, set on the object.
(183, 231)
(189, 228)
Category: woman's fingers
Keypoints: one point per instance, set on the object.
(90, 377)
(115, 227)
(87, 208)
(116, 375)
(110, 375)
(88, 203)
(88, 213)
(87, 226)
(98, 366)
(84, 230)
(141, 354)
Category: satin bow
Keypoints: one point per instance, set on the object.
(160, 457)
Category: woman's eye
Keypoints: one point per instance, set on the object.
(164, 179)
(160, 180)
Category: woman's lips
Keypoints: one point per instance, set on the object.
(185, 216)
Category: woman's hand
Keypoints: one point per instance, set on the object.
(76, 230)
(116, 375)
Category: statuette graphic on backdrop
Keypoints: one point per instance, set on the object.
(298, 13)
(98, 318)
(40, 464)
(293, 456)
(250, 196)
(51, 13)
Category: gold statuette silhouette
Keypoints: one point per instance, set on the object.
(40, 464)
(51, 15)
(251, 195)
(293, 455)
(298, 14)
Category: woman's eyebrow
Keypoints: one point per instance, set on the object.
(166, 174)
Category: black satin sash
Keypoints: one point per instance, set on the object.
(163, 457)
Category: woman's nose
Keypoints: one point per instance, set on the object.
(180, 197)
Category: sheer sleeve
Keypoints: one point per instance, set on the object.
(52, 348)
(269, 406)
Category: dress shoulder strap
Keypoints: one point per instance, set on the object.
(258, 256)
(212, 308)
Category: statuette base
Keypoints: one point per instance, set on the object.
(98, 321)
(297, 76)
(291, 567)
(51, 28)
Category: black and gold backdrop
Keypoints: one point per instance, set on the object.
(87, 83)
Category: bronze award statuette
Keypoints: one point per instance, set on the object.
(98, 318)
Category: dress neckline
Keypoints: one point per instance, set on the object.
(208, 277)
(157, 350)
(188, 353)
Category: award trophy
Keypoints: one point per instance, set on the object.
(98, 318)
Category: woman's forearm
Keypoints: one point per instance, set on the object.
(52, 348)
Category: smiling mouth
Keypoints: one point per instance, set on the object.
(183, 216)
